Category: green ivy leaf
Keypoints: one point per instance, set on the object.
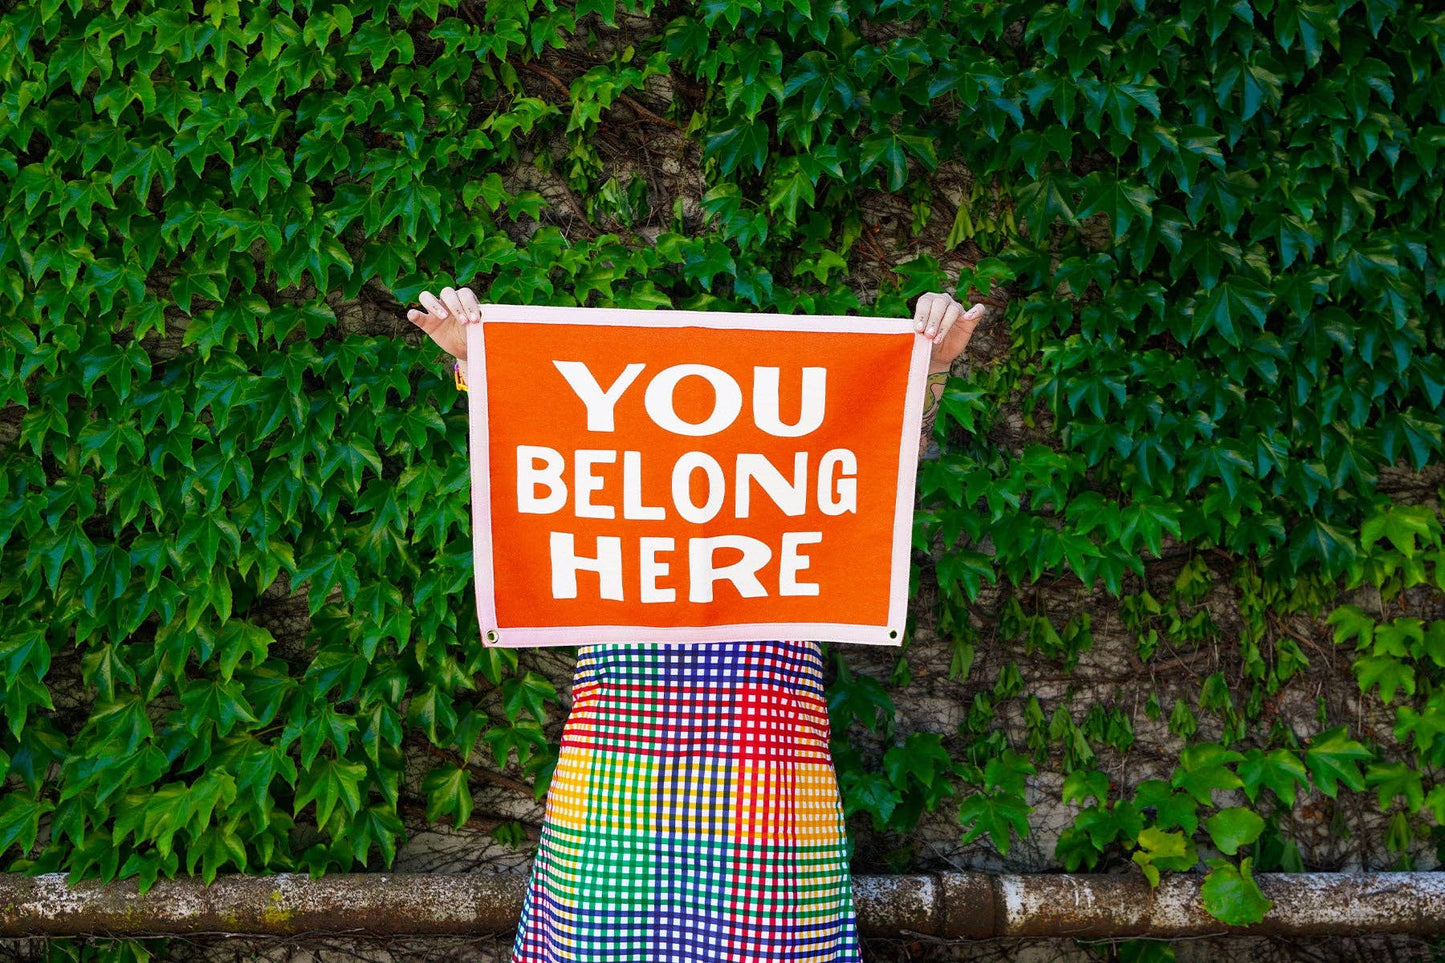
(1123, 203)
(921, 757)
(217, 846)
(1231, 894)
(995, 815)
(790, 188)
(329, 783)
(871, 793)
(1234, 827)
(1006, 772)
(524, 738)
(431, 711)
(1394, 779)
(746, 143)
(220, 703)
(859, 697)
(238, 640)
(1203, 768)
(377, 826)
(886, 151)
(1083, 784)
(22, 648)
(1333, 758)
(1163, 850)
(528, 693)
(20, 814)
(1351, 622)
(1279, 769)
(1387, 672)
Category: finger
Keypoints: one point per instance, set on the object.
(427, 322)
(432, 304)
(470, 305)
(453, 303)
(920, 311)
(936, 311)
(950, 317)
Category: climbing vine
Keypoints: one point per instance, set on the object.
(233, 511)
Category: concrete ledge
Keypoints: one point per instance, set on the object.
(948, 905)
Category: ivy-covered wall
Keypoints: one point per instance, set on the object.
(1180, 573)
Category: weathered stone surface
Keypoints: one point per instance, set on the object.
(947, 905)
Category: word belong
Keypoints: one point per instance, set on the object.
(542, 490)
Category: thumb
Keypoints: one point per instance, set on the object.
(430, 323)
(441, 330)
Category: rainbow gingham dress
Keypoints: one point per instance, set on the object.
(694, 813)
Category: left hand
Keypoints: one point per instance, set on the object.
(446, 317)
(945, 322)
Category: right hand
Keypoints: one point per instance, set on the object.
(446, 318)
(943, 320)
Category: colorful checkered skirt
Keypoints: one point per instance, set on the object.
(694, 813)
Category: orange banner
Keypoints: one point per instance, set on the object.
(680, 476)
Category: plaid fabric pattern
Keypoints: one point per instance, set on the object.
(694, 813)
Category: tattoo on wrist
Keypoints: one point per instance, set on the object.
(932, 401)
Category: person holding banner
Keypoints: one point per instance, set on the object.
(756, 867)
